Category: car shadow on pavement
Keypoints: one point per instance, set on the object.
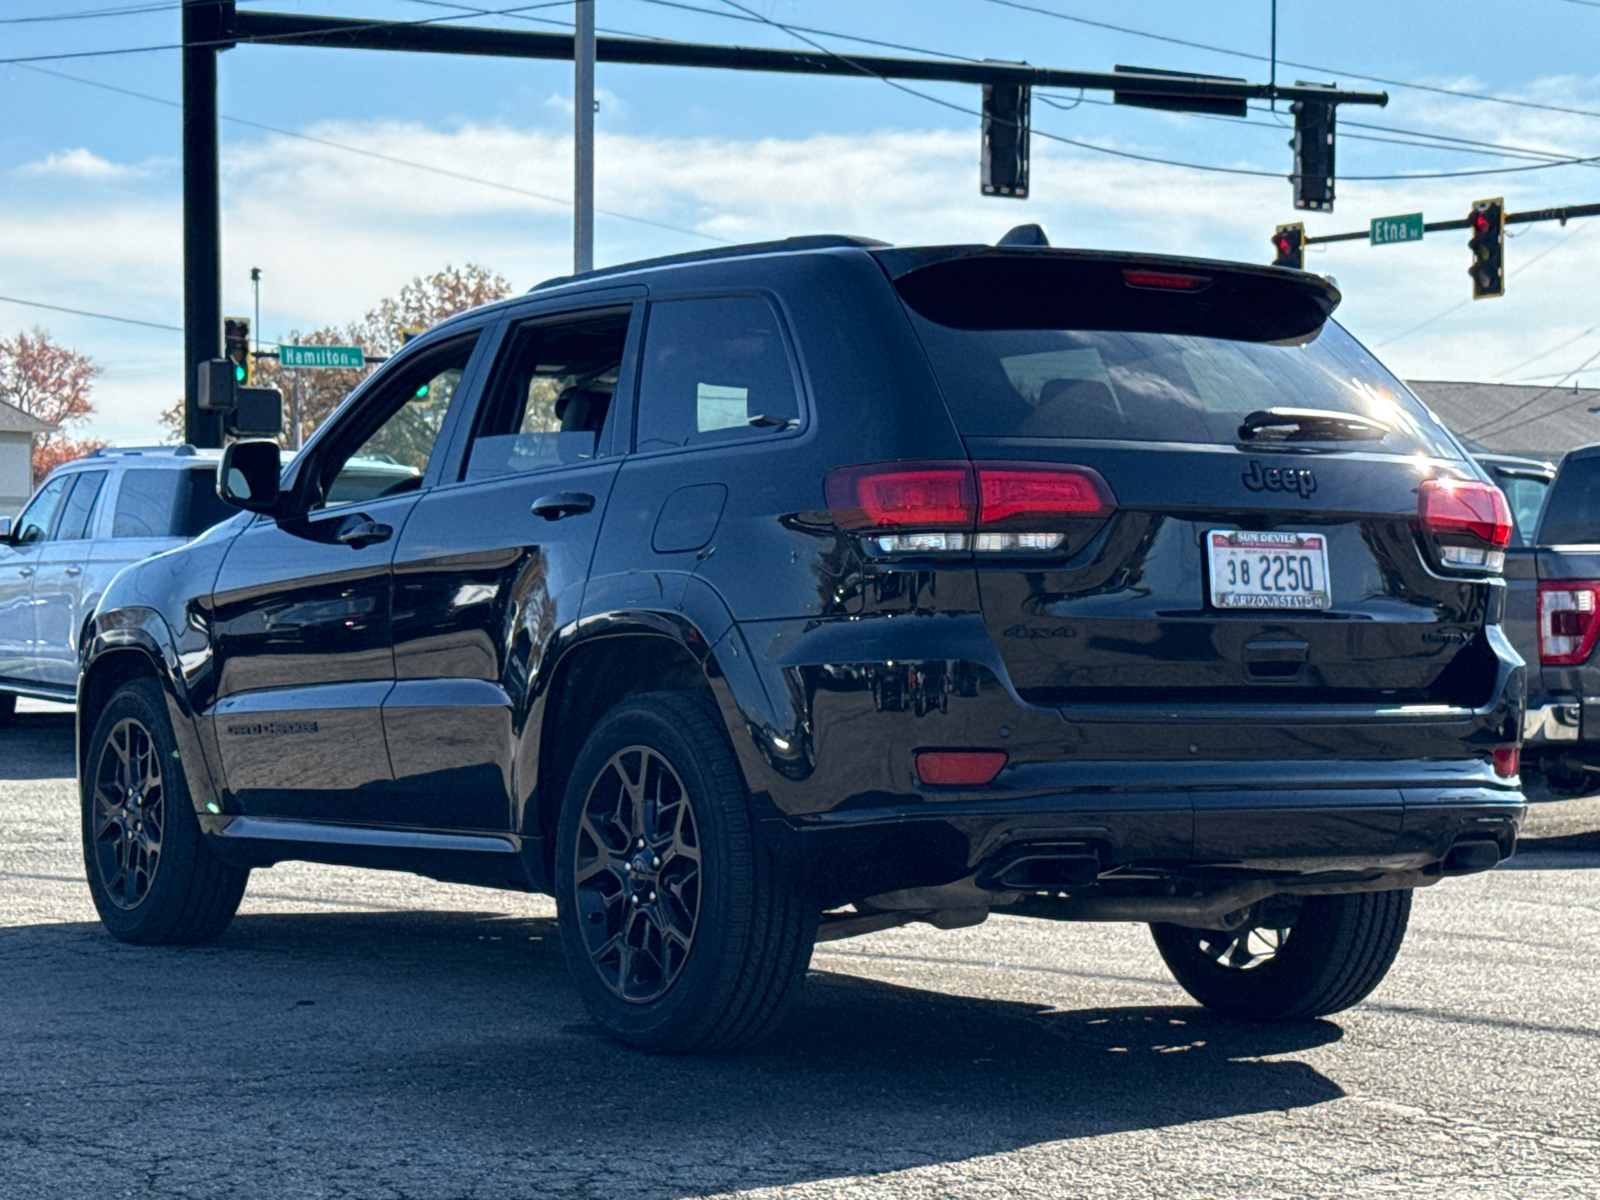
(37, 745)
(398, 1037)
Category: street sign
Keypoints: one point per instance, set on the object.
(321, 357)
(1406, 228)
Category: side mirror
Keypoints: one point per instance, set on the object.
(247, 476)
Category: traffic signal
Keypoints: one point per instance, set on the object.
(1005, 139)
(1313, 154)
(1488, 269)
(236, 347)
(1290, 243)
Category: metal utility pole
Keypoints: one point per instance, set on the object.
(255, 282)
(202, 214)
(583, 140)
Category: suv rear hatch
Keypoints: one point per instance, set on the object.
(1187, 484)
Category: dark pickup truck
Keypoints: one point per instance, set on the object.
(1553, 614)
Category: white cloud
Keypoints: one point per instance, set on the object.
(79, 164)
(335, 231)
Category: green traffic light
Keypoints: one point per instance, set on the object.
(238, 372)
(422, 391)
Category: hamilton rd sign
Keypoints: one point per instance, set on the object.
(322, 357)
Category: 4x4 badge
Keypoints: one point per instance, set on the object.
(1279, 479)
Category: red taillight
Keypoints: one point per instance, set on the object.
(1009, 493)
(937, 496)
(900, 495)
(1569, 621)
(1172, 281)
(959, 768)
(1507, 761)
(1465, 507)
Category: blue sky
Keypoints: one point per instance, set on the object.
(90, 216)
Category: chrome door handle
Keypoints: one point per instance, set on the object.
(25, 571)
(74, 571)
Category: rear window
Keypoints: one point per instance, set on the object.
(1070, 345)
(164, 503)
(1572, 510)
(1162, 387)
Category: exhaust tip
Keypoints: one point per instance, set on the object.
(1468, 858)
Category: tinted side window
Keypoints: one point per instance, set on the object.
(36, 519)
(1525, 493)
(1572, 510)
(145, 503)
(551, 396)
(203, 508)
(714, 370)
(79, 509)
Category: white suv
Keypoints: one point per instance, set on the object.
(89, 519)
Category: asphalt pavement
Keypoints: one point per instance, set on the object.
(379, 1035)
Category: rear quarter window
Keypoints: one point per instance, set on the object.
(145, 502)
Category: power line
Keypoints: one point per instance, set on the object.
(82, 312)
(1548, 250)
(1169, 162)
(306, 137)
(1538, 416)
(1402, 83)
(265, 39)
(86, 14)
(1510, 151)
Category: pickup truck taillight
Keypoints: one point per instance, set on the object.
(956, 507)
(1569, 620)
(1469, 522)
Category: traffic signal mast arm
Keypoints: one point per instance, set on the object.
(295, 29)
(1563, 214)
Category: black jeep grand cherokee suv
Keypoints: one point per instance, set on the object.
(804, 589)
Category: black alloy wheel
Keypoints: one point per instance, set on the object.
(683, 929)
(1321, 959)
(129, 813)
(637, 873)
(153, 879)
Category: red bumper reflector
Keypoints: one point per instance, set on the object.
(1507, 761)
(959, 768)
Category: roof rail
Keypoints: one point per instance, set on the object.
(815, 241)
(182, 451)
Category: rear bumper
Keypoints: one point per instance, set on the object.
(1209, 838)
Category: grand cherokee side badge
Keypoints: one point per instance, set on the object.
(1279, 479)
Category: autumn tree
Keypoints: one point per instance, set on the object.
(421, 304)
(52, 383)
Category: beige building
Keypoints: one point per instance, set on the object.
(17, 431)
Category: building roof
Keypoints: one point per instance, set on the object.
(1508, 418)
(14, 420)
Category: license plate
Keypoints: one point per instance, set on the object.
(1268, 570)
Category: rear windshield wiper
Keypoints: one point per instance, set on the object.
(1297, 424)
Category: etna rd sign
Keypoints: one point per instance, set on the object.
(321, 357)
(1406, 228)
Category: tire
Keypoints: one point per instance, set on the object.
(153, 878)
(1335, 951)
(682, 930)
(8, 708)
